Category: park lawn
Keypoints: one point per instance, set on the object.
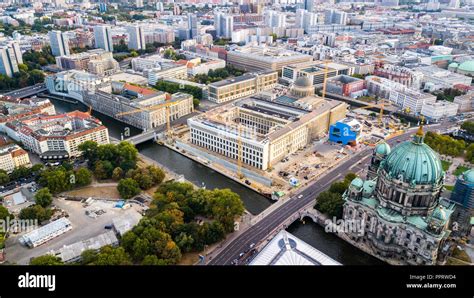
(446, 165)
(459, 170)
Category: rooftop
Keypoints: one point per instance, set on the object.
(287, 249)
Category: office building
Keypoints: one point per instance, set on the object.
(345, 85)
(192, 25)
(314, 70)
(103, 38)
(463, 197)
(59, 43)
(252, 58)
(10, 58)
(245, 85)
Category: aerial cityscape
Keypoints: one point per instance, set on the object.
(237, 132)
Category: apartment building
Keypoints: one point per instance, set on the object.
(411, 100)
(57, 136)
(440, 109)
(13, 156)
(245, 85)
(98, 62)
(167, 70)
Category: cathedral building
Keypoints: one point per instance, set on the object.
(402, 216)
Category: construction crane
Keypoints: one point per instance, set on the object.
(166, 105)
(381, 106)
(326, 70)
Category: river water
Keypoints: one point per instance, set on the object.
(255, 203)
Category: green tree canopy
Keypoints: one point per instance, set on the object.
(43, 197)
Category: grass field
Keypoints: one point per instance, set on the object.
(445, 164)
(96, 192)
(459, 170)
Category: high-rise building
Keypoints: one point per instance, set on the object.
(309, 5)
(59, 43)
(305, 19)
(333, 16)
(224, 24)
(192, 25)
(103, 38)
(454, 4)
(159, 6)
(102, 7)
(275, 19)
(10, 58)
(463, 196)
(139, 3)
(136, 37)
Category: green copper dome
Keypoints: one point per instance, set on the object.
(469, 176)
(383, 148)
(454, 65)
(414, 162)
(467, 66)
(357, 183)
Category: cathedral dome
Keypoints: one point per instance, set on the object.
(383, 148)
(469, 176)
(414, 162)
(303, 82)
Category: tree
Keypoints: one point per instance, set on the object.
(330, 203)
(89, 257)
(43, 197)
(128, 188)
(46, 260)
(117, 173)
(103, 169)
(196, 103)
(153, 260)
(56, 180)
(89, 150)
(4, 214)
(112, 256)
(35, 212)
(83, 177)
(4, 178)
(157, 174)
(225, 205)
(468, 126)
(214, 232)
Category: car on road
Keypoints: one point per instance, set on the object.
(252, 245)
(300, 196)
(108, 227)
(241, 254)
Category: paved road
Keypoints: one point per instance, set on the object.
(264, 227)
(28, 91)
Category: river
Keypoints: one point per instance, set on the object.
(255, 203)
